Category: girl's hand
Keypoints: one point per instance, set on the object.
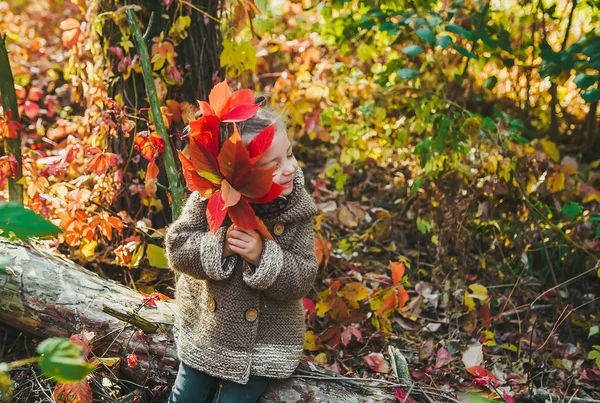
(246, 243)
(226, 249)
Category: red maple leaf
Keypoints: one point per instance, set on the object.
(227, 176)
(227, 106)
(9, 128)
(79, 392)
(149, 144)
(100, 161)
(132, 360)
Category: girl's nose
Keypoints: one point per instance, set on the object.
(290, 167)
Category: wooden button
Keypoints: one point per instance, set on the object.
(278, 229)
(251, 315)
(212, 305)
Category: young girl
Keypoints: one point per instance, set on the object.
(240, 319)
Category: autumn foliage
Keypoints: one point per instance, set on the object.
(451, 148)
(226, 174)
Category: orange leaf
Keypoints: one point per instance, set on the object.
(101, 162)
(204, 163)
(206, 109)
(230, 196)
(243, 215)
(241, 97)
(234, 159)
(194, 182)
(79, 392)
(263, 230)
(335, 286)
(175, 109)
(230, 107)
(397, 271)
(149, 144)
(257, 183)
(402, 297)
(152, 171)
(205, 131)
(71, 30)
(218, 97)
(388, 303)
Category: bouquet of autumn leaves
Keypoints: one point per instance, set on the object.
(227, 176)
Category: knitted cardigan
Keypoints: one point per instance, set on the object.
(232, 323)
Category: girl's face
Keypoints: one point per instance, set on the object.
(280, 155)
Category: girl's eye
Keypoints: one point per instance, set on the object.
(291, 155)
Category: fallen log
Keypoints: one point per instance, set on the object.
(45, 295)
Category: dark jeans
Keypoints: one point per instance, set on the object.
(193, 386)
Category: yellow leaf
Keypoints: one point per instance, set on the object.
(238, 57)
(531, 184)
(310, 341)
(469, 301)
(550, 149)
(108, 361)
(478, 291)
(382, 323)
(321, 358)
(490, 338)
(89, 248)
(471, 126)
(354, 292)
(509, 347)
(325, 303)
(556, 182)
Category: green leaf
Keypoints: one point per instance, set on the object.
(455, 29)
(583, 80)
(592, 95)
(263, 5)
(444, 41)
(412, 50)
(463, 51)
(63, 360)
(156, 256)
(24, 223)
(490, 82)
(407, 73)
(508, 62)
(426, 34)
(594, 330)
(572, 210)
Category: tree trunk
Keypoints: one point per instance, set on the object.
(44, 295)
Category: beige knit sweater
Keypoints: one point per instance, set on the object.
(232, 324)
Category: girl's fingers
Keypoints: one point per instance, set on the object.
(235, 249)
(238, 243)
(238, 234)
(250, 232)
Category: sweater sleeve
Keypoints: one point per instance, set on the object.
(190, 246)
(286, 274)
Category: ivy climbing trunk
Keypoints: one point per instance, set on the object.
(195, 59)
(169, 156)
(12, 146)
